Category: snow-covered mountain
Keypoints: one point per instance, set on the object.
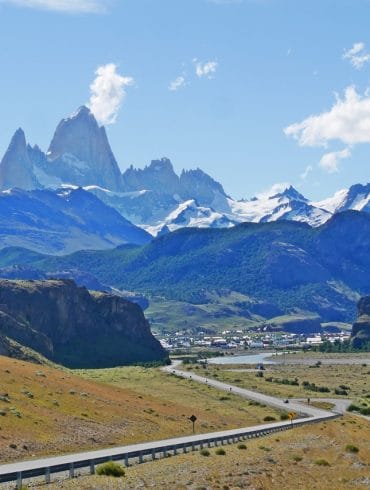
(357, 197)
(154, 198)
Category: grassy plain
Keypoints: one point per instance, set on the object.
(311, 457)
(355, 378)
(45, 410)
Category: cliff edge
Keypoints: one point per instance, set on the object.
(361, 328)
(73, 326)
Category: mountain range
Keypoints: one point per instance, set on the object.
(279, 268)
(154, 198)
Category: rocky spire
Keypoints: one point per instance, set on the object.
(80, 153)
(16, 168)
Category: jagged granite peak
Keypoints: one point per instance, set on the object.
(16, 169)
(196, 184)
(290, 193)
(159, 176)
(80, 153)
(76, 327)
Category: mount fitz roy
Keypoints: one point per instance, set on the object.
(154, 198)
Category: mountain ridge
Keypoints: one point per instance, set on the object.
(155, 196)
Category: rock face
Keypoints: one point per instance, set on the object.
(361, 328)
(75, 327)
(16, 168)
(80, 153)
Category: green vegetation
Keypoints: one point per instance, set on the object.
(220, 451)
(350, 448)
(204, 452)
(184, 265)
(110, 469)
(322, 462)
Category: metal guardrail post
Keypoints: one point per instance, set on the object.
(47, 475)
(71, 471)
(19, 480)
(153, 454)
(92, 467)
(126, 460)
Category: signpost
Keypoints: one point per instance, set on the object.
(193, 420)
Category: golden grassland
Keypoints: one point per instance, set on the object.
(44, 410)
(356, 377)
(306, 458)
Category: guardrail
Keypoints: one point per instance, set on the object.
(18, 472)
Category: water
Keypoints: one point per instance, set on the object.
(245, 359)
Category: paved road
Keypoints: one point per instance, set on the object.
(308, 414)
(292, 406)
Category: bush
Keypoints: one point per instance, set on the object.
(220, 451)
(110, 469)
(341, 391)
(365, 411)
(297, 459)
(205, 452)
(350, 448)
(241, 446)
(269, 418)
(322, 462)
(353, 408)
(284, 416)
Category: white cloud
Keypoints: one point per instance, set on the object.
(329, 161)
(347, 121)
(306, 172)
(107, 93)
(206, 69)
(70, 6)
(178, 83)
(273, 190)
(357, 55)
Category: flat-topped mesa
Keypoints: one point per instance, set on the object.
(76, 327)
(80, 153)
(361, 328)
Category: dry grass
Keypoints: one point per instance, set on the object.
(283, 461)
(356, 377)
(53, 411)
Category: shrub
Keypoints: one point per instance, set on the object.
(350, 448)
(284, 416)
(297, 459)
(365, 411)
(241, 446)
(353, 408)
(220, 451)
(269, 418)
(205, 452)
(340, 391)
(110, 469)
(322, 462)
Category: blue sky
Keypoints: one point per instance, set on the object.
(246, 75)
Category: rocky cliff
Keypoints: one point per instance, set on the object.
(73, 326)
(361, 328)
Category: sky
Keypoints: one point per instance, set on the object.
(254, 92)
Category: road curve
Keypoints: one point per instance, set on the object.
(300, 409)
(46, 466)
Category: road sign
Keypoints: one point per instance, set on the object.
(193, 420)
(291, 415)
